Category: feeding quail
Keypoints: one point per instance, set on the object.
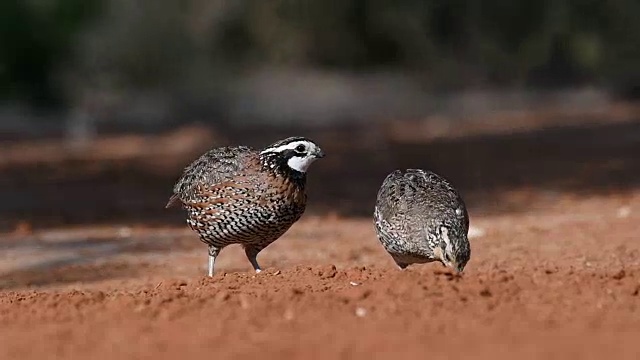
(240, 195)
(419, 217)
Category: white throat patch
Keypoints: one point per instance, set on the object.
(301, 164)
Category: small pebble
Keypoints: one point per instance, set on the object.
(288, 315)
(624, 212)
(475, 232)
(124, 232)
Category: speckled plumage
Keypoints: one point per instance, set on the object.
(240, 195)
(420, 217)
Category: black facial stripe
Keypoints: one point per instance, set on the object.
(289, 153)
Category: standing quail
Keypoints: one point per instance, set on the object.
(239, 195)
(419, 218)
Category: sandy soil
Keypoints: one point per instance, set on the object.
(558, 284)
(93, 266)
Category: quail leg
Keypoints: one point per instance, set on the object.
(252, 254)
(213, 253)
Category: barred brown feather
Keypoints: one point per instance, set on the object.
(239, 195)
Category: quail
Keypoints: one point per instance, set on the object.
(240, 195)
(420, 217)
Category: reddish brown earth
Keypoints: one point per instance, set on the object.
(556, 284)
(93, 267)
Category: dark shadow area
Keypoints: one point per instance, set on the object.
(80, 258)
(580, 160)
(583, 161)
(65, 273)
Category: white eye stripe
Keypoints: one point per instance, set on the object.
(445, 238)
(289, 146)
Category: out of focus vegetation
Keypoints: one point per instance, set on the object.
(52, 49)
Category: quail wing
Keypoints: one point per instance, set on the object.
(208, 171)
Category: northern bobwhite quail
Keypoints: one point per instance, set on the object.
(240, 195)
(419, 218)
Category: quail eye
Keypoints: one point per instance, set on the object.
(300, 148)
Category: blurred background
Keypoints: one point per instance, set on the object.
(103, 102)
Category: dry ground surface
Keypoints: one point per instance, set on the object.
(558, 284)
(554, 273)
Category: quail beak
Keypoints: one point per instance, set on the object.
(458, 268)
(319, 154)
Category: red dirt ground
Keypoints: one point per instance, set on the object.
(554, 271)
(555, 284)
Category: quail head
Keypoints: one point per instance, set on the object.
(240, 195)
(419, 217)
